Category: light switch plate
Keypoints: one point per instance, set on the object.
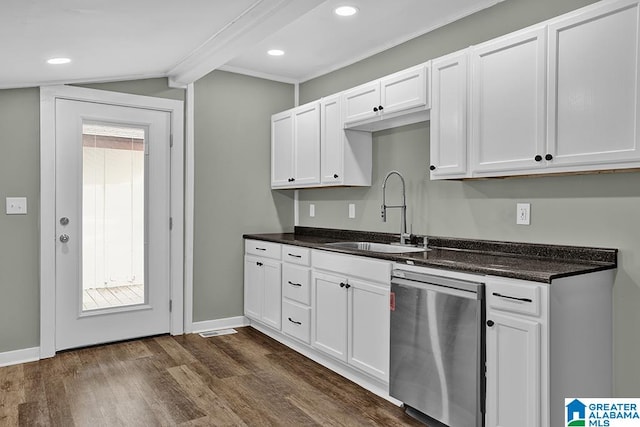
(16, 205)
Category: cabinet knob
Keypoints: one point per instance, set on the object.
(335, 175)
(346, 285)
(380, 107)
(342, 285)
(259, 264)
(375, 109)
(291, 179)
(537, 158)
(432, 167)
(548, 157)
(490, 323)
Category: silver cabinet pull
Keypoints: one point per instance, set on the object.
(64, 238)
(64, 220)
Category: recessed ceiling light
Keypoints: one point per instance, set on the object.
(58, 61)
(346, 10)
(276, 52)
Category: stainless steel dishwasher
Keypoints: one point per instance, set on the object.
(437, 348)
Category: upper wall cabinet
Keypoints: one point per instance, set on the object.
(310, 148)
(398, 99)
(345, 155)
(562, 96)
(508, 102)
(449, 116)
(593, 88)
(295, 147)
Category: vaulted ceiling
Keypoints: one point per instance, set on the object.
(110, 40)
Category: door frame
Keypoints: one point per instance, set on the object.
(48, 96)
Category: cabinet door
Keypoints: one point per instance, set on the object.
(282, 149)
(253, 287)
(332, 141)
(449, 116)
(404, 90)
(513, 371)
(593, 86)
(508, 103)
(359, 102)
(369, 328)
(307, 144)
(272, 294)
(329, 325)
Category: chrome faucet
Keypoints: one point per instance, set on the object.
(404, 236)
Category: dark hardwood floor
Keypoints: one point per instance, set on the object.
(232, 380)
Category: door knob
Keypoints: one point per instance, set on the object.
(64, 220)
(64, 238)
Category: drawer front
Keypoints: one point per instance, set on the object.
(514, 296)
(296, 321)
(296, 283)
(296, 254)
(264, 249)
(355, 266)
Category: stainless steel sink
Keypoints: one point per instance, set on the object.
(376, 247)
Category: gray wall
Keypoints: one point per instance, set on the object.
(19, 262)
(232, 184)
(20, 176)
(589, 210)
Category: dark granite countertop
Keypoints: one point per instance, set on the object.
(526, 261)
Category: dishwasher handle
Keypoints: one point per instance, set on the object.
(475, 294)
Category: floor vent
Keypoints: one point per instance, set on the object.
(217, 333)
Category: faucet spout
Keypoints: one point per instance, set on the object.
(404, 236)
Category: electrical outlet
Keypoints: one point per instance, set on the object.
(352, 210)
(312, 210)
(523, 213)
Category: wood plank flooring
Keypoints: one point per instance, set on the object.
(243, 379)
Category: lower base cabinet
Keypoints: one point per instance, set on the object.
(545, 343)
(262, 292)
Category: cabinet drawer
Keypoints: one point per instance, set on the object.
(296, 283)
(515, 297)
(260, 248)
(295, 254)
(356, 266)
(296, 321)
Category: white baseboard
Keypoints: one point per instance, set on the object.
(19, 356)
(211, 325)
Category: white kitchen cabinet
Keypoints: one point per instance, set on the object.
(369, 328)
(350, 306)
(345, 154)
(296, 292)
(330, 306)
(448, 140)
(262, 292)
(593, 88)
(394, 100)
(295, 147)
(533, 333)
(508, 107)
(514, 351)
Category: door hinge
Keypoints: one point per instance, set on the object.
(170, 305)
(170, 223)
(170, 140)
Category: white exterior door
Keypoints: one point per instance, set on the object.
(112, 208)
